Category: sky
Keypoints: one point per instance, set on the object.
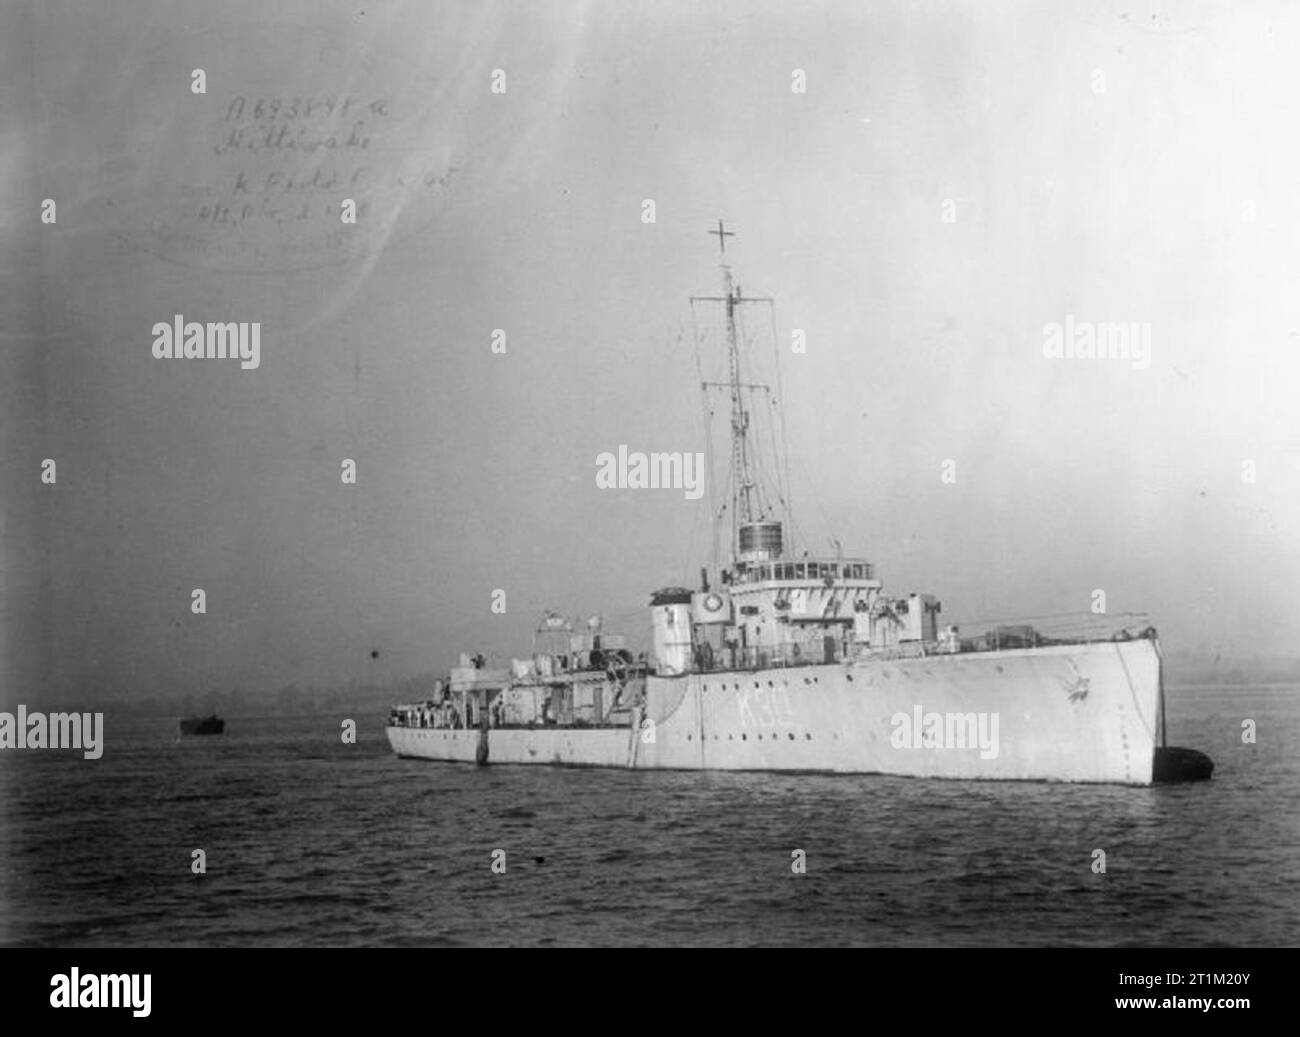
(951, 179)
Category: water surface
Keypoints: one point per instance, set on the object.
(309, 841)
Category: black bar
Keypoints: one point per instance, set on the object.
(426, 989)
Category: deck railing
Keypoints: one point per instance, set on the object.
(990, 635)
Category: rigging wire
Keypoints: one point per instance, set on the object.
(785, 441)
(689, 548)
(710, 466)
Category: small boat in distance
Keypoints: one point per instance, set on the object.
(212, 725)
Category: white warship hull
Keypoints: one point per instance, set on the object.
(1079, 713)
(786, 660)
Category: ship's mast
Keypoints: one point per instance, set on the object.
(743, 485)
(742, 509)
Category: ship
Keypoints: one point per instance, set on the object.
(212, 725)
(786, 660)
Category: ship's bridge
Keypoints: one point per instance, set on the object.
(805, 570)
(768, 611)
(806, 601)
